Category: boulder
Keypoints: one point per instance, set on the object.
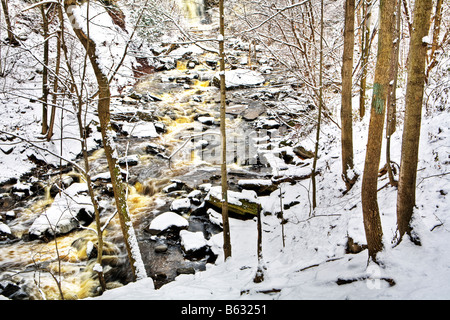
(302, 153)
(5, 232)
(181, 205)
(70, 209)
(141, 129)
(262, 187)
(167, 221)
(244, 204)
(194, 245)
(240, 78)
(131, 160)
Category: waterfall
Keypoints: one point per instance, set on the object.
(194, 11)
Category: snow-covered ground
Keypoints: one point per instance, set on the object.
(313, 263)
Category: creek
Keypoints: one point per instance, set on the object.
(168, 134)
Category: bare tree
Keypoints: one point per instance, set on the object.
(371, 215)
(348, 175)
(406, 197)
(11, 38)
(225, 220)
(104, 97)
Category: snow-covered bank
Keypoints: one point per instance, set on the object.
(314, 263)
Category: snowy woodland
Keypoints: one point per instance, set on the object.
(224, 150)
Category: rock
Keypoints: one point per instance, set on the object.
(253, 112)
(161, 248)
(176, 185)
(206, 120)
(194, 245)
(167, 220)
(248, 112)
(12, 291)
(132, 160)
(5, 232)
(181, 205)
(141, 129)
(153, 148)
(215, 217)
(303, 153)
(185, 270)
(243, 204)
(262, 187)
(237, 109)
(240, 78)
(69, 210)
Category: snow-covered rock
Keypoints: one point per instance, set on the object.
(244, 203)
(181, 205)
(141, 129)
(167, 220)
(240, 78)
(69, 210)
(5, 231)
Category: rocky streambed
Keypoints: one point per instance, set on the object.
(168, 136)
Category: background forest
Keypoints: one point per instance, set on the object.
(198, 149)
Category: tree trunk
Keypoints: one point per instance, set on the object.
(11, 39)
(319, 116)
(134, 256)
(45, 72)
(406, 197)
(346, 107)
(365, 50)
(436, 31)
(391, 117)
(259, 276)
(371, 215)
(59, 35)
(225, 220)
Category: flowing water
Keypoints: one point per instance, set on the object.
(194, 144)
(185, 106)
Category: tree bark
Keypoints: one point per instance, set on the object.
(346, 105)
(11, 39)
(319, 116)
(406, 197)
(391, 117)
(224, 178)
(436, 32)
(45, 72)
(365, 50)
(59, 35)
(371, 215)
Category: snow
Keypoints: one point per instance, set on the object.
(4, 228)
(168, 219)
(192, 241)
(180, 204)
(61, 217)
(140, 129)
(234, 197)
(314, 255)
(97, 267)
(242, 77)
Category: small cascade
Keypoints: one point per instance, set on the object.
(194, 11)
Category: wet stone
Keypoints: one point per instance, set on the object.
(161, 248)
